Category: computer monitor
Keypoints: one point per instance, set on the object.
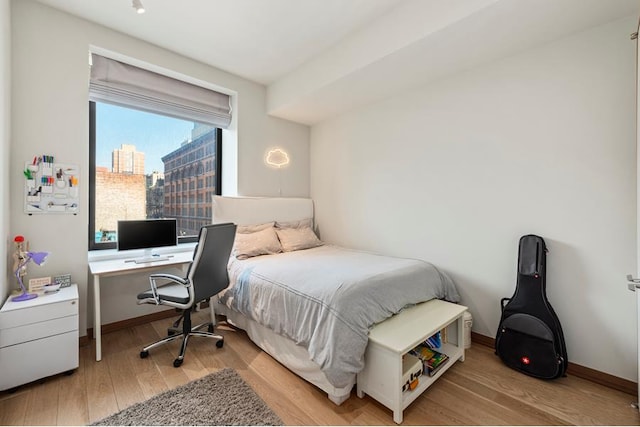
(147, 234)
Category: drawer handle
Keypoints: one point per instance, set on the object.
(73, 302)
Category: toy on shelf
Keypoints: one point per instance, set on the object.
(21, 248)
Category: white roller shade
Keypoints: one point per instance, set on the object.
(122, 84)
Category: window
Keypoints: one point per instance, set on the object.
(150, 134)
(146, 165)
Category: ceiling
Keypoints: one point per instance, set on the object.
(321, 58)
(260, 40)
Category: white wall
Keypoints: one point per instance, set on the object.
(455, 172)
(50, 115)
(5, 137)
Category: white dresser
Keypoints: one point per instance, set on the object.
(38, 337)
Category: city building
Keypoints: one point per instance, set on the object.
(190, 180)
(155, 194)
(127, 160)
(120, 193)
(118, 196)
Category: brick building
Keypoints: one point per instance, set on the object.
(190, 180)
(118, 196)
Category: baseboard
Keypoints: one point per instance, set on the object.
(482, 339)
(593, 375)
(597, 377)
(129, 323)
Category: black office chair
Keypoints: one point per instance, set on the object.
(207, 275)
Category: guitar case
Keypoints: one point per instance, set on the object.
(529, 337)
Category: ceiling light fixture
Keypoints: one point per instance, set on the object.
(137, 5)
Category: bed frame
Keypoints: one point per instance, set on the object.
(257, 210)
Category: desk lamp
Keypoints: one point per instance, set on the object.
(37, 257)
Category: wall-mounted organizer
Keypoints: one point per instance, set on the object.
(51, 187)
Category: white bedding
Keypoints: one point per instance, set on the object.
(296, 358)
(258, 210)
(325, 299)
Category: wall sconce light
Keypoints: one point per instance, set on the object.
(137, 5)
(276, 158)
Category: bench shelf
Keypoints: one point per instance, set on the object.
(390, 340)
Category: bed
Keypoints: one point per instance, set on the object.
(310, 304)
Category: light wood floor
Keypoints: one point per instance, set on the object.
(480, 391)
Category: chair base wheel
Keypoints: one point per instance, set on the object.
(210, 328)
(220, 343)
(177, 363)
(144, 354)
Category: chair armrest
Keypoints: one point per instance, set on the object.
(164, 276)
(170, 277)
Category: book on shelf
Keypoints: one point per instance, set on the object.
(432, 360)
(434, 341)
(436, 363)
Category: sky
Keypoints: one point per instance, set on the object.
(152, 134)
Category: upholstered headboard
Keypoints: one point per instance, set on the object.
(258, 210)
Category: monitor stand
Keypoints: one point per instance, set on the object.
(150, 257)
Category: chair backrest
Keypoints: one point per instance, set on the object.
(208, 271)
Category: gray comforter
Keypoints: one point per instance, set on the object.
(327, 298)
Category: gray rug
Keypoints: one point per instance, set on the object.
(221, 398)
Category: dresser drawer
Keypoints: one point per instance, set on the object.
(37, 314)
(38, 359)
(34, 331)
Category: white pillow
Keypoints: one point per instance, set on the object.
(245, 229)
(307, 222)
(263, 242)
(295, 239)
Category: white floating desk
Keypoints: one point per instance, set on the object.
(117, 267)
